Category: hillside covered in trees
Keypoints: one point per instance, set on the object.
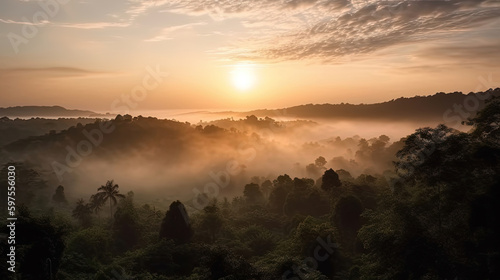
(432, 107)
(430, 211)
(44, 111)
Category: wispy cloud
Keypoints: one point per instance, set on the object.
(87, 25)
(8, 21)
(136, 8)
(94, 25)
(484, 54)
(319, 30)
(54, 71)
(123, 19)
(377, 26)
(140, 7)
(166, 32)
(326, 30)
(49, 69)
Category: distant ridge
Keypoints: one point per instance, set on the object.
(44, 111)
(431, 107)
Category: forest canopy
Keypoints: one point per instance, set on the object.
(432, 215)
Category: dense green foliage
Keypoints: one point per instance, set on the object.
(435, 217)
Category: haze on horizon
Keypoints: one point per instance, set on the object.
(244, 54)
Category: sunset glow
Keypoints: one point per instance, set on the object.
(243, 77)
(89, 53)
(250, 139)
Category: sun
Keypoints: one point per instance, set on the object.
(243, 77)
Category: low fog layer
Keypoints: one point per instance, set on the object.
(169, 159)
(172, 159)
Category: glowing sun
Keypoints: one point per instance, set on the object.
(243, 77)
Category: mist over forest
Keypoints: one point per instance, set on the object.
(251, 195)
(172, 157)
(250, 140)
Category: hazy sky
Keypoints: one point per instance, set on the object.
(241, 54)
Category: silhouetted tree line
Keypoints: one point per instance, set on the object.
(415, 108)
(436, 217)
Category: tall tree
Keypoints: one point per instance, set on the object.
(41, 243)
(347, 218)
(330, 180)
(253, 194)
(315, 169)
(96, 203)
(59, 196)
(211, 221)
(125, 226)
(277, 197)
(320, 162)
(82, 213)
(266, 188)
(305, 199)
(176, 224)
(441, 221)
(487, 123)
(109, 192)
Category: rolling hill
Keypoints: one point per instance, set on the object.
(433, 107)
(44, 111)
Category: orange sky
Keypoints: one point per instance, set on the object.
(242, 54)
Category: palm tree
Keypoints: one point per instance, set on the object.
(109, 192)
(96, 203)
(82, 213)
